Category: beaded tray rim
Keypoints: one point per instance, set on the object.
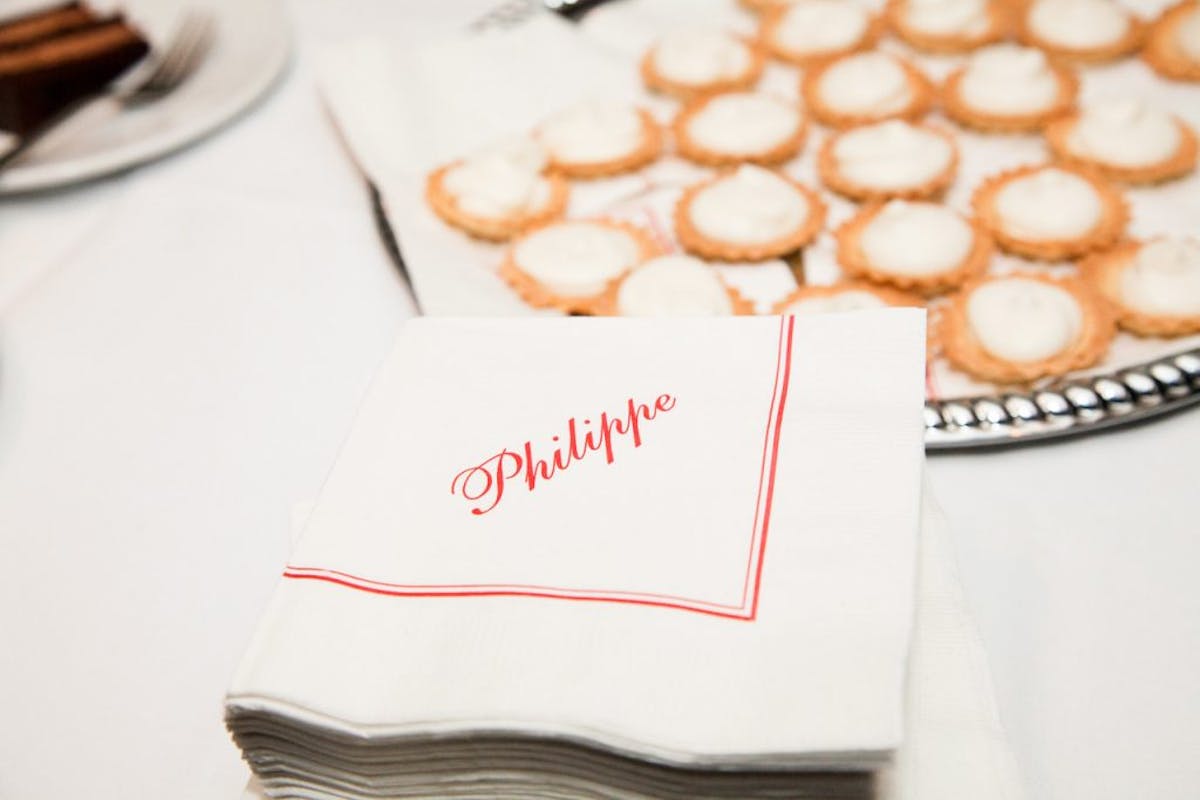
(1070, 407)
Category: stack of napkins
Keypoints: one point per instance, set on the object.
(605, 558)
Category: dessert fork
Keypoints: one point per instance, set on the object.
(146, 83)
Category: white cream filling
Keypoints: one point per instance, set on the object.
(697, 57)
(673, 286)
(916, 239)
(866, 83)
(751, 206)
(502, 181)
(744, 123)
(891, 155)
(576, 259)
(593, 133)
(1187, 35)
(948, 17)
(1023, 320)
(1049, 204)
(1078, 23)
(818, 26)
(1124, 132)
(849, 300)
(1164, 278)
(1008, 79)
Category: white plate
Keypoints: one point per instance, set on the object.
(249, 52)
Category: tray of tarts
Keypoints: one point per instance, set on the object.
(1035, 334)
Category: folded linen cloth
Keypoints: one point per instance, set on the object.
(404, 110)
(954, 744)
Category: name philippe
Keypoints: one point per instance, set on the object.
(486, 482)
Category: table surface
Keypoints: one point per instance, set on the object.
(182, 350)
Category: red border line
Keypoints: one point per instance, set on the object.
(747, 611)
(463, 589)
(532, 591)
(762, 546)
(762, 467)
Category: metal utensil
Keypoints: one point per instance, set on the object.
(513, 12)
(144, 84)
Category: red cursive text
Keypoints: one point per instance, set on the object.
(486, 482)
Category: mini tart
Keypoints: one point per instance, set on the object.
(727, 129)
(862, 88)
(1173, 43)
(494, 228)
(1024, 326)
(1154, 286)
(948, 26)
(574, 265)
(1008, 89)
(1125, 142)
(689, 63)
(749, 214)
(842, 296)
(674, 286)
(1049, 213)
(596, 140)
(1084, 31)
(806, 32)
(888, 160)
(761, 6)
(918, 247)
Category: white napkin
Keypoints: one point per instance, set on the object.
(954, 746)
(812, 628)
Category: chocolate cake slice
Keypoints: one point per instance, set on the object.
(52, 58)
(44, 24)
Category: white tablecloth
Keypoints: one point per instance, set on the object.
(181, 351)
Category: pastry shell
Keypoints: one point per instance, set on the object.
(608, 305)
(830, 174)
(694, 151)
(1114, 214)
(957, 108)
(1181, 163)
(536, 294)
(918, 105)
(892, 297)
(1103, 271)
(773, 18)
(696, 243)
(1162, 51)
(496, 229)
(1128, 43)
(960, 347)
(761, 6)
(658, 82)
(999, 22)
(647, 151)
(854, 262)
